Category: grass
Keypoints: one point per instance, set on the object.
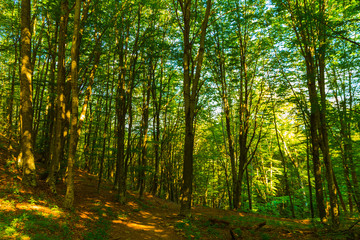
(28, 224)
(189, 228)
(100, 222)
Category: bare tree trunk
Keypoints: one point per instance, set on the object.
(107, 117)
(57, 140)
(308, 176)
(144, 133)
(49, 132)
(314, 125)
(26, 156)
(157, 147)
(10, 104)
(334, 206)
(69, 197)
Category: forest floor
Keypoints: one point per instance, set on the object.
(27, 213)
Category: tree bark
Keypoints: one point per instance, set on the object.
(69, 197)
(11, 94)
(144, 133)
(26, 109)
(191, 89)
(57, 140)
(334, 206)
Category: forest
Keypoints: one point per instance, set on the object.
(243, 105)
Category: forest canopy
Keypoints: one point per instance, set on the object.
(237, 104)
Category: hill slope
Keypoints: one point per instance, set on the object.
(37, 214)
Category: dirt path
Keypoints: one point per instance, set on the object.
(147, 219)
(149, 223)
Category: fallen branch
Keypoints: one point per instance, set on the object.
(214, 221)
(260, 225)
(352, 226)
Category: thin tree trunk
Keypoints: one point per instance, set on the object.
(287, 187)
(11, 94)
(107, 117)
(39, 101)
(157, 147)
(308, 176)
(49, 132)
(145, 127)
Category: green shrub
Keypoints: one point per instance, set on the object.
(189, 229)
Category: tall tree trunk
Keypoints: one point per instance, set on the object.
(221, 78)
(124, 101)
(107, 117)
(349, 147)
(12, 92)
(39, 100)
(330, 176)
(287, 187)
(157, 147)
(308, 176)
(69, 197)
(144, 133)
(314, 125)
(49, 132)
(26, 109)
(191, 91)
(121, 118)
(57, 140)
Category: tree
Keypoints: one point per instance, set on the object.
(312, 42)
(191, 87)
(56, 147)
(69, 197)
(26, 156)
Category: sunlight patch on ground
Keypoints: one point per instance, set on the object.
(45, 211)
(139, 226)
(146, 214)
(6, 205)
(85, 215)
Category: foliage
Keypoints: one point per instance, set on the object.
(27, 223)
(189, 229)
(100, 223)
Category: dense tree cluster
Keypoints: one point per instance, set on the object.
(240, 104)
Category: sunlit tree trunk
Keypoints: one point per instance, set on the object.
(323, 129)
(57, 139)
(69, 197)
(26, 109)
(286, 178)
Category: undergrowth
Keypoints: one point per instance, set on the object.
(189, 228)
(29, 224)
(100, 223)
